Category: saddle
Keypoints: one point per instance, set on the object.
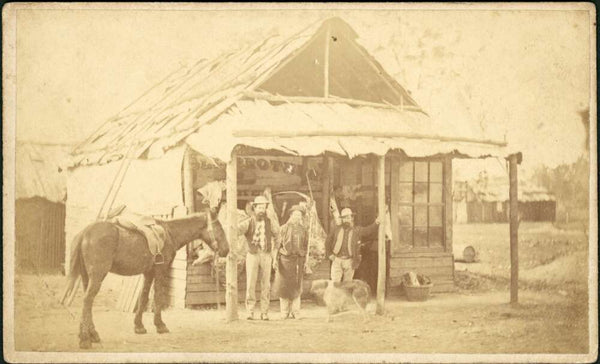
(155, 234)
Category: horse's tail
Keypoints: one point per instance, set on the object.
(75, 267)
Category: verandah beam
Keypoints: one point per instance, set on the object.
(282, 133)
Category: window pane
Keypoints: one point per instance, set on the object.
(405, 191)
(405, 236)
(420, 237)
(436, 236)
(421, 192)
(405, 172)
(421, 216)
(435, 192)
(405, 215)
(435, 215)
(435, 171)
(421, 171)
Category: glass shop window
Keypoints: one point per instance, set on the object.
(421, 204)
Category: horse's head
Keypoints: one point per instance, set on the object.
(214, 234)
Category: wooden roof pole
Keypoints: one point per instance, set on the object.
(330, 99)
(326, 65)
(381, 260)
(231, 286)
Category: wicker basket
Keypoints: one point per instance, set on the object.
(418, 293)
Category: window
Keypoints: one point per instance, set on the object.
(420, 204)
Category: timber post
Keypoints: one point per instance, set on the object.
(513, 160)
(381, 261)
(327, 174)
(231, 290)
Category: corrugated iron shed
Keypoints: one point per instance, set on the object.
(37, 171)
(496, 190)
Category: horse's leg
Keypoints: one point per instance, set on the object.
(84, 279)
(160, 297)
(143, 303)
(87, 331)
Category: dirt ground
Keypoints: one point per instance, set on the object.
(551, 318)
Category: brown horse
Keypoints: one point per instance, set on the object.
(104, 247)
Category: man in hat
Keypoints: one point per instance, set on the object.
(343, 246)
(261, 238)
(290, 261)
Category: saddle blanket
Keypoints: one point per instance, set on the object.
(155, 234)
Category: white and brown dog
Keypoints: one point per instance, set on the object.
(336, 294)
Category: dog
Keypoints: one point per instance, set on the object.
(336, 294)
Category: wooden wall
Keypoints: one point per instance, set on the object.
(40, 235)
(178, 279)
(439, 266)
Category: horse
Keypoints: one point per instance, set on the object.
(104, 247)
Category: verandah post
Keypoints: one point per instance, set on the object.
(513, 160)
(381, 265)
(326, 193)
(231, 287)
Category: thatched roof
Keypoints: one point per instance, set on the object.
(37, 171)
(321, 72)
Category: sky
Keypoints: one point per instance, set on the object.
(523, 75)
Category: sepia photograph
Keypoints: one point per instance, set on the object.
(269, 182)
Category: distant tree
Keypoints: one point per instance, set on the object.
(585, 119)
(570, 184)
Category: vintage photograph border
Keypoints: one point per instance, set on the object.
(9, 130)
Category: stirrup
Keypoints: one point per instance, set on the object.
(159, 261)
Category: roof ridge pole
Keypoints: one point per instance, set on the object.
(326, 65)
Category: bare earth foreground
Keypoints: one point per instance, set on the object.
(447, 323)
(552, 316)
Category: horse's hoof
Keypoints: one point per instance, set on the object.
(140, 330)
(85, 344)
(162, 329)
(94, 337)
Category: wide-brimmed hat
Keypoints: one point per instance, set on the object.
(346, 212)
(259, 200)
(297, 208)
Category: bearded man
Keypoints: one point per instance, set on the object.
(343, 246)
(261, 238)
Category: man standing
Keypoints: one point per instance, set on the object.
(290, 261)
(343, 246)
(261, 238)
